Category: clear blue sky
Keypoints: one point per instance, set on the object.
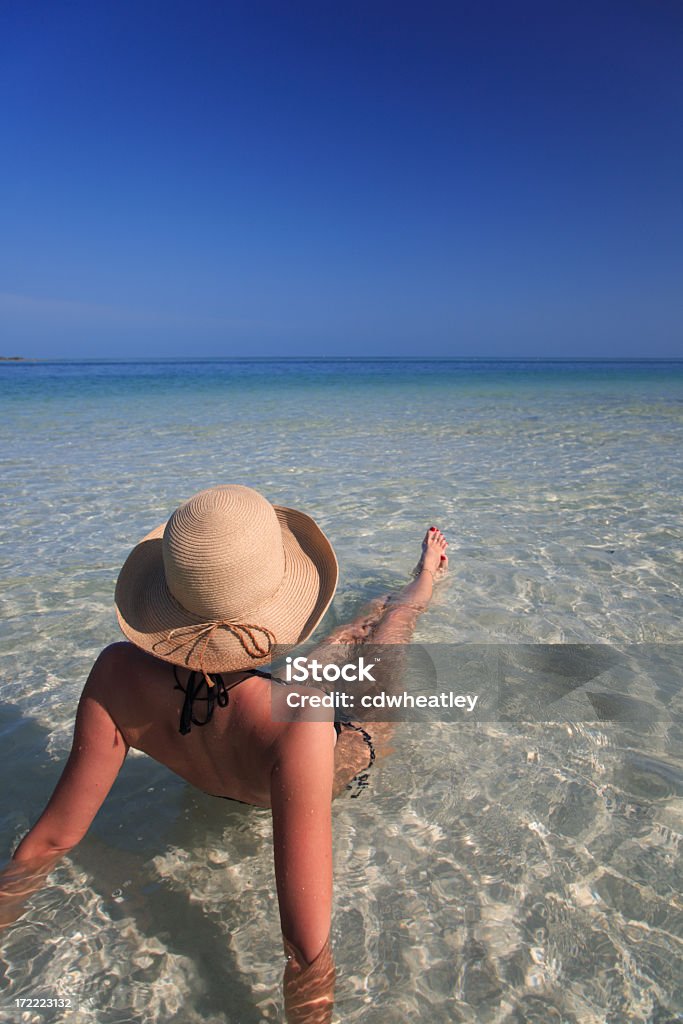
(500, 178)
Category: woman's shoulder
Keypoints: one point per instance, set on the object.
(121, 666)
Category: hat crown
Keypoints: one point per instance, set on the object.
(223, 553)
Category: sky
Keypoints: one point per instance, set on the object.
(302, 177)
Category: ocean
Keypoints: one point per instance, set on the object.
(496, 872)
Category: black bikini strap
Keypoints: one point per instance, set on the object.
(217, 694)
(269, 675)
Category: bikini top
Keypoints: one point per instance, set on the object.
(218, 695)
(215, 695)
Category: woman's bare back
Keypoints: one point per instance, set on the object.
(233, 755)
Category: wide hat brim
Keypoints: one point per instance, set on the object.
(152, 619)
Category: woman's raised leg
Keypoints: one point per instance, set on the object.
(392, 621)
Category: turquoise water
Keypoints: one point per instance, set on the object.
(489, 873)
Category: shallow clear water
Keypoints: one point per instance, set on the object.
(490, 872)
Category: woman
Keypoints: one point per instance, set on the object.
(204, 601)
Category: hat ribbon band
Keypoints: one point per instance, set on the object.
(246, 633)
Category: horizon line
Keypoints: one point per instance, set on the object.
(18, 360)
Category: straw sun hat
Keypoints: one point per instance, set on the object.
(225, 580)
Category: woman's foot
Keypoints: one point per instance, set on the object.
(434, 558)
(397, 625)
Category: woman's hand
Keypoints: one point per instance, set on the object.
(18, 880)
(309, 988)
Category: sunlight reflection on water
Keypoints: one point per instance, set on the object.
(491, 872)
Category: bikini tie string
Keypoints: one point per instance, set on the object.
(219, 695)
(246, 633)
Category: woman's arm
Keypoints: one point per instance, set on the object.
(301, 799)
(97, 753)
